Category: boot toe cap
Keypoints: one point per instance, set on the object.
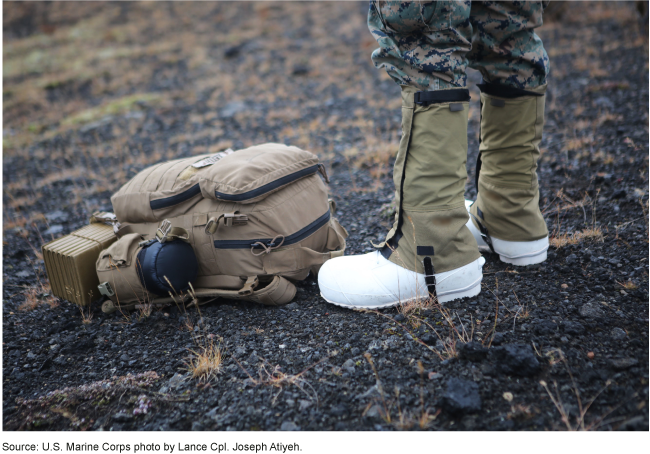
(350, 281)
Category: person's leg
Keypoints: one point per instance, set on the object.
(514, 65)
(422, 47)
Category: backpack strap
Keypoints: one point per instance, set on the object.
(278, 292)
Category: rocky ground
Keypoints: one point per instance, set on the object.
(95, 92)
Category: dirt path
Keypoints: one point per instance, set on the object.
(95, 92)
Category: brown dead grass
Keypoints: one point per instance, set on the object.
(564, 239)
(36, 296)
(205, 362)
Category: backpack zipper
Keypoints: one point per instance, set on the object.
(175, 199)
(267, 187)
(288, 240)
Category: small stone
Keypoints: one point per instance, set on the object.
(573, 328)
(591, 310)
(498, 338)
(122, 417)
(400, 318)
(348, 365)
(289, 426)
(571, 259)
(508, 396)
(300, 70)
(124, 357)
(54, 230)
(472, 351)
(304, 404)
(57, 216)
(355, 351)
(623, 363)
(232, 108)
(591, 355)
(564, 286)
(23, 274)
(515, 359)
(617, 334)
(545, 327)
(461, 396)
(374, 412)
(175, 381)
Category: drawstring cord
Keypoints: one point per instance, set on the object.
(267, 249)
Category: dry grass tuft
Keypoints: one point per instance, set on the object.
(37, 295)
(86, 318)
(629, 285)
(560, 240)
(205, 363)
(580, 423)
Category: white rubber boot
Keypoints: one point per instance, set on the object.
(519, 253)
(370, 281)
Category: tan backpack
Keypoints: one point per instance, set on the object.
(255, 219)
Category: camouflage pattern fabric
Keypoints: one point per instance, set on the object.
(428, 45)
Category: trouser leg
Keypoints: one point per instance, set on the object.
(514, 65)
(423, 47)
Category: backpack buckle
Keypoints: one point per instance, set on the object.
(164, 230)
(230, 219)
(106, 289)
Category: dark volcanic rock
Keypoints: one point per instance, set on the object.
(472, 351)
(623, 363)
(618, 334)
(591, 310)
(573, 328)
(461, 396)
(515, 359)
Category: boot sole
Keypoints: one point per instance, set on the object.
(466, 292)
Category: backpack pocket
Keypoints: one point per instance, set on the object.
(133, 270)
(116, 270)
(249, 175)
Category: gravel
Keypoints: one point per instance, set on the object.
(582, 314)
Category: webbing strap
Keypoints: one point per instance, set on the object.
(168, 233)
(441, 96)
(429, 277)
(505, 91)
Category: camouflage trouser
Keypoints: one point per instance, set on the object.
(428, 45)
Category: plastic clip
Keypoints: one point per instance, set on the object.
(230, 219)
(249, 286)
(163, 231)
(106, 289)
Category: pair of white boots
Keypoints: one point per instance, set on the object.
(370, 281)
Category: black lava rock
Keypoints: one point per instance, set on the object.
(573, 328)
(515, 359)
(545, 327)
(472, 351)
(461, 396)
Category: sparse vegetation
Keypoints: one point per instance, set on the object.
(579, 423)
(560, 240)
(205, 362)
